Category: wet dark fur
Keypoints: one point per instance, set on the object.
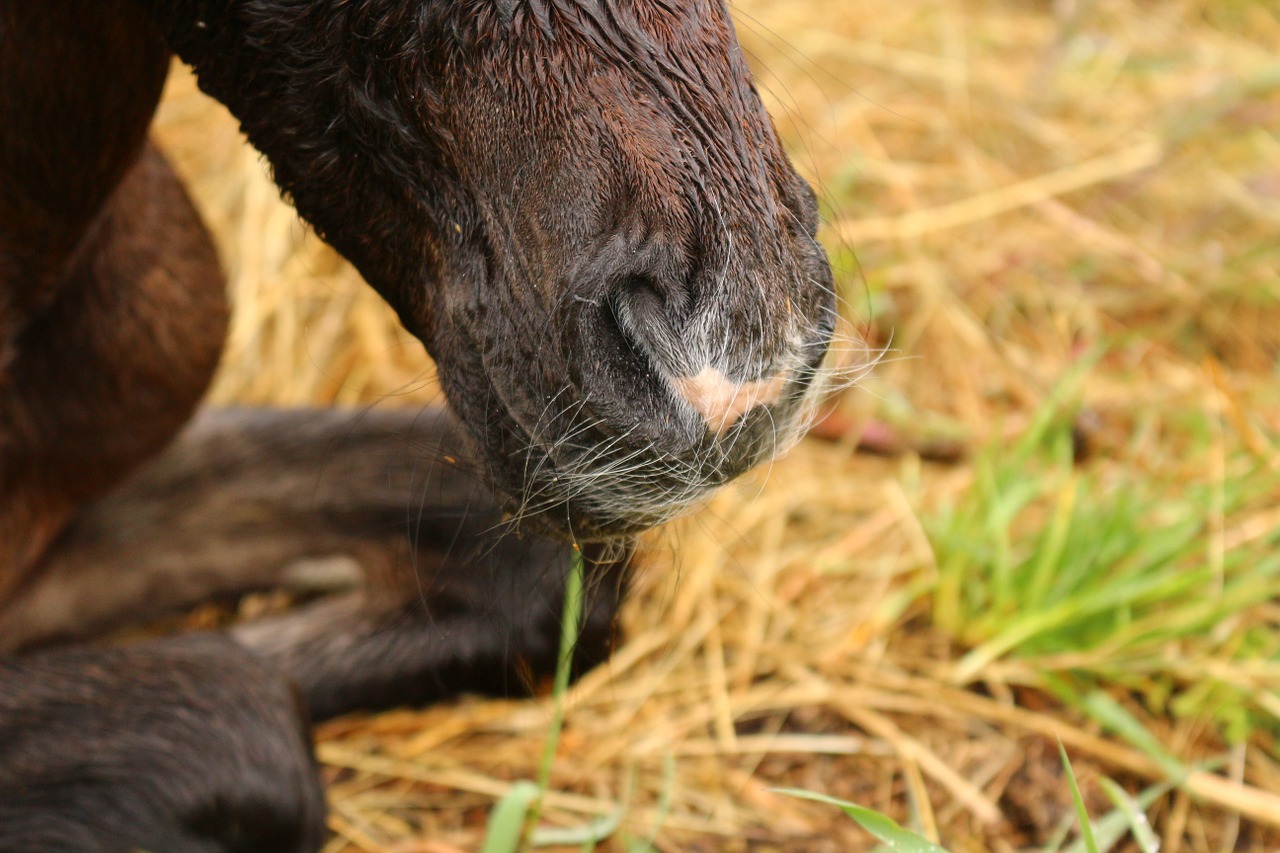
(76, 724)
(510, 173)
(573, 203)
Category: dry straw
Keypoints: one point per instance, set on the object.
(1010, 185)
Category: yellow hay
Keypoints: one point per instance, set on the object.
(1009, 184)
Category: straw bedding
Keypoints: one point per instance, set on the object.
(1008, 186)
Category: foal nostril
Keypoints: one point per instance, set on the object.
(648, 324)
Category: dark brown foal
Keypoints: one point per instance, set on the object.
(579, 206)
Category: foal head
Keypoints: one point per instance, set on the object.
(580, 206)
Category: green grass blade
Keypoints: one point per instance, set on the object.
(515, 816)
(570, 620)
(508, 818)
(1082, 814)
(1111, 828)
(882, 827)
(1052, 550)
(1111, 714)
(1134, 815)
(586, 835)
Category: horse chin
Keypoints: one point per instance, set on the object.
(584, 492)
(590, 486)
(594, 516)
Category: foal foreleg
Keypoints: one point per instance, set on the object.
(447, 599)
(486, 620)
(242, 500)
(185, 745)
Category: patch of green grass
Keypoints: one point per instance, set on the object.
(1128, 817)
(1104, 575)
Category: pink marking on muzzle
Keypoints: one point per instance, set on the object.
(721, 401)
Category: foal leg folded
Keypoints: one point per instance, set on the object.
(489, 621)
(184, 745)
(243, 500)
(445, 597)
